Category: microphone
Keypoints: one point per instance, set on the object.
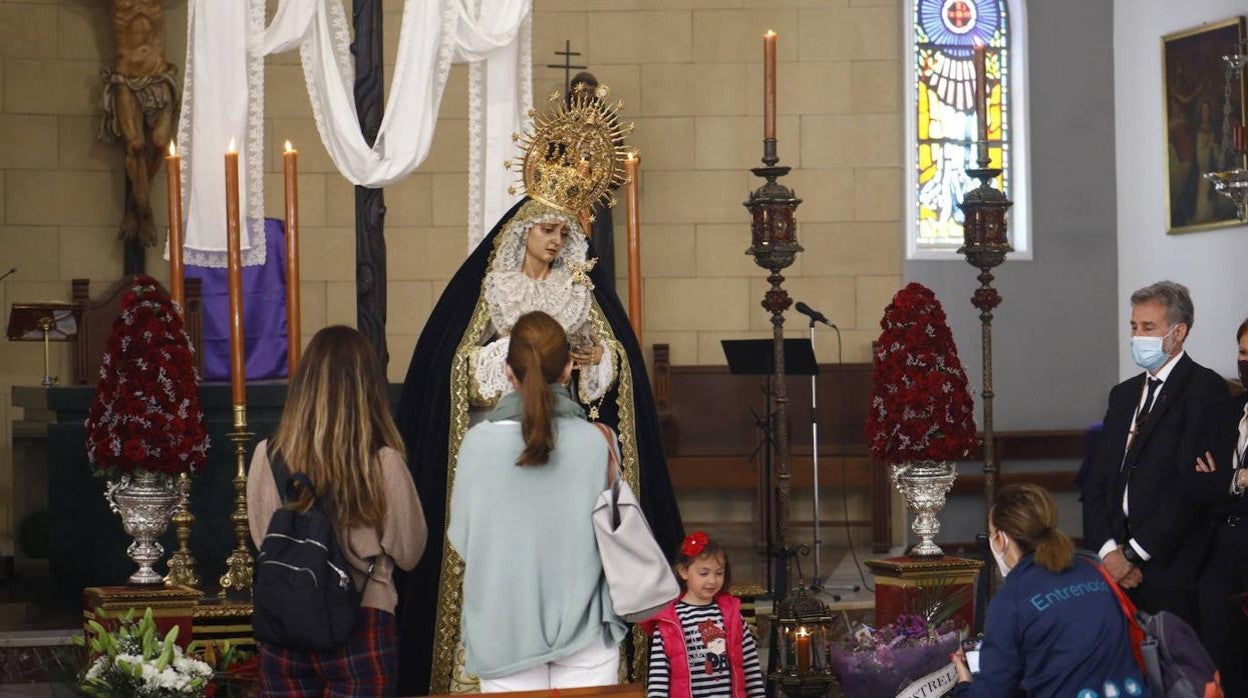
(8, 273)
(814, 315)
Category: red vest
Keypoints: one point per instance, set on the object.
(673, 636)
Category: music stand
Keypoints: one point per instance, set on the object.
(51, 322)
(756, 357)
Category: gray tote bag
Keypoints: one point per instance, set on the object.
(638, 575)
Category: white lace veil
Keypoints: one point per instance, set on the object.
(509, 252)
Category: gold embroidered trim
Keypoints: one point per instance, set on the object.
(446, 672)
(446, 654)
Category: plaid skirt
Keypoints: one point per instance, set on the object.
(366, 666)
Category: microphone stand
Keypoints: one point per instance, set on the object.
(816, 582)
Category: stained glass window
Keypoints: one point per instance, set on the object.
(945, 129)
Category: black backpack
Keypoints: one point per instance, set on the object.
(303, 597)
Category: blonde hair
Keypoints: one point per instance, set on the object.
(336, 421)
(1027, 514)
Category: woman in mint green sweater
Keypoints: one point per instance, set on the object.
(536, 610)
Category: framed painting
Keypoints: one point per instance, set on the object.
(1202, 111)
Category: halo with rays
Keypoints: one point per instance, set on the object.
(575, 152)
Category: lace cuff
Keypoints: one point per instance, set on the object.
(595, 381)
(488, 381)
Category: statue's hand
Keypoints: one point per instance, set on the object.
(588, 357)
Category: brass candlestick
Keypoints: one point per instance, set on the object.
(45, 324)
(182, 563)
(985, 244)
(238, 566)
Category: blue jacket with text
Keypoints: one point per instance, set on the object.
(1060, 635)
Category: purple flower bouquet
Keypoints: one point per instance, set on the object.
(879, 663)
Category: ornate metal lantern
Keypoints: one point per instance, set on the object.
(1232, 182)
(985, 245)
(805, 630)
(773, 244)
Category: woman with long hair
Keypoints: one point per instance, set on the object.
(336, 429)
(1056, 628)
(525, 485)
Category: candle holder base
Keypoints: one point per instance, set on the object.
(239, 568)
(182, 563)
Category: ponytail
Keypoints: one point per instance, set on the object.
(1054, 550)
(1027, 514)
(539, 403)
(537, 355)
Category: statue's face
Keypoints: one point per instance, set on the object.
(544, 240)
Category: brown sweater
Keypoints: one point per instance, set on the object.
(402, 538)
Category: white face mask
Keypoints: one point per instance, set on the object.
(1000, 556)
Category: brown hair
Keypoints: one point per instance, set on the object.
(710, 550)
(1243, 328)
(537, 355)
(1027, 514)
(336, 420)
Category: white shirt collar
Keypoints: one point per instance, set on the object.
(1164, 373)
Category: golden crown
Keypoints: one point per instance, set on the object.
(575, 151)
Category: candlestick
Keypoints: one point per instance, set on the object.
(234, 263)
(173, 174)
(294, 335)
(803, 649)
(769, 85)
(632, 205)
(981, 92)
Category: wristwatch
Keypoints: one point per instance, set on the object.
(1133, 557)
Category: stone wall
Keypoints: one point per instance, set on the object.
(691, 76)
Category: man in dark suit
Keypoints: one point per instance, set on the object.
(1138, 503)
(1221, 480)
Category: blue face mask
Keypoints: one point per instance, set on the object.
(1149, 353)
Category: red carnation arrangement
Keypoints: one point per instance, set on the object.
(146, 413)
(920, 406)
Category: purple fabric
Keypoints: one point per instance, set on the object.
(264, 312)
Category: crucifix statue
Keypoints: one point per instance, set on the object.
(140, 103)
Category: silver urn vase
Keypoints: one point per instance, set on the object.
(924, 484)
(145, 501)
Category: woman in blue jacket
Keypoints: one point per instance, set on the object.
(1056, 628)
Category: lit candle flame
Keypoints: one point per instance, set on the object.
(173, 149)
(630, 154)
(769, 33)
(802, 631)
(289, 148)
(231, 148)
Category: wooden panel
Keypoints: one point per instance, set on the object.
(712, 428)
(709, 411)
(741, 472)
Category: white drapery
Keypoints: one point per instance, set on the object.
(227, 41)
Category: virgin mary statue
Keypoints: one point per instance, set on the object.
(536, 258)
